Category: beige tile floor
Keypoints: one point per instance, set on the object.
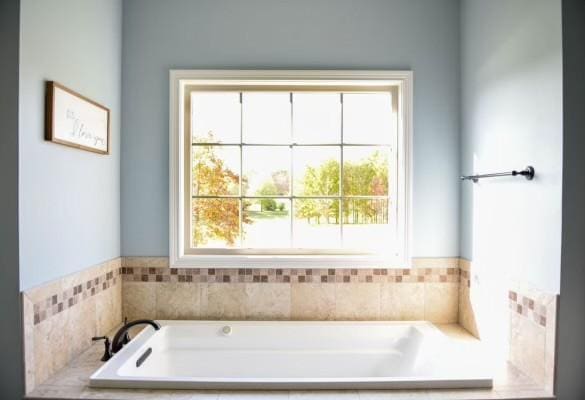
(72, 383)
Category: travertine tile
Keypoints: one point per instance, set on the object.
(550, 344)
(393, 394)
(518, 394)
(312, 302)
(527, 346)
(40, 293)
(359, 301)
(77, 376)
(57, 335)
(509, 377)
(177, 300)
(51, 346)
(462, 394)
(266, 301)
(80, 327)
(467, 310)
(403, 301)
(28, 341)
(57, 392)
(225, 301)
(441, 302)
(139, 300)
(108, 309)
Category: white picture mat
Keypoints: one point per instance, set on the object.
(78, 121)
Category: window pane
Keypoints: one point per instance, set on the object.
(266, 223)
(267, 118)
(317, 117)
(368, 118)
(216, 223)
(316, 171)
(365, 224)
(316, 224)
(365, 171)
(216, 170)
(216, 117)
(266, 170)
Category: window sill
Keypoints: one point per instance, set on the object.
(288, 261)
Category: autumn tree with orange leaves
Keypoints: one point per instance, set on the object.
(214, 218)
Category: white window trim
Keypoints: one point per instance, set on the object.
(180, 78)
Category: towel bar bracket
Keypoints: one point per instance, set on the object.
(527, 172)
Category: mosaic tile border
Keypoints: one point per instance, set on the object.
(527, 307)
(290, 275)
(465, 278)
(69, 297)
(155, 269)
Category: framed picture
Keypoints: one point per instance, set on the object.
(76, 121)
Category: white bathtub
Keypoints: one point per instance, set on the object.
(293, 355)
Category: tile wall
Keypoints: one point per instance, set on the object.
(532, 325)
(533, 333)
(61, 317)
(429, 291)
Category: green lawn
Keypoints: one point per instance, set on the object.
(268, 214)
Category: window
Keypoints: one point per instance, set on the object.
(298, 169)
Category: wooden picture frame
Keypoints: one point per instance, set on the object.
(74, 120)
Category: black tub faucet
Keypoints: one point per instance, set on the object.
(121, 335)
(107, 347)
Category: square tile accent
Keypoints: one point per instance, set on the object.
(61, 317)
(144, 273)
(69, 297)
(527, 307)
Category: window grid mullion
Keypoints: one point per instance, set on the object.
(290, 189)
(341, 198)
(294, 144)
(241, 171)
(236, 197)
(341, 202)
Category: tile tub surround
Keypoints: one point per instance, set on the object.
(427, 291)
(72, 383)
(532, 325)
(468, 302)
(533, 334)
(433, 289)
(60, 317)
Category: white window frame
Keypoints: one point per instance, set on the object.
(180, 79)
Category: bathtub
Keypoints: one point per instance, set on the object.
(293, 355)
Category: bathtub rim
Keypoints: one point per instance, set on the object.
(380, 383)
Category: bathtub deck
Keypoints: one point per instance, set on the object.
(72, 383)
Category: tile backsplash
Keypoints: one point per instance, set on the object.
(533, 333)
(61, 317)
(153, 290)
(531, 316)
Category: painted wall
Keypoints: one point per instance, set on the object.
(571, 351)
(512, 117)
(69, 199)
(12, 360)
(373, 34)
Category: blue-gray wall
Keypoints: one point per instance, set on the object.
(511, 74)
(571, 326)
(420, 35)
(69, 199)
(12, 360)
